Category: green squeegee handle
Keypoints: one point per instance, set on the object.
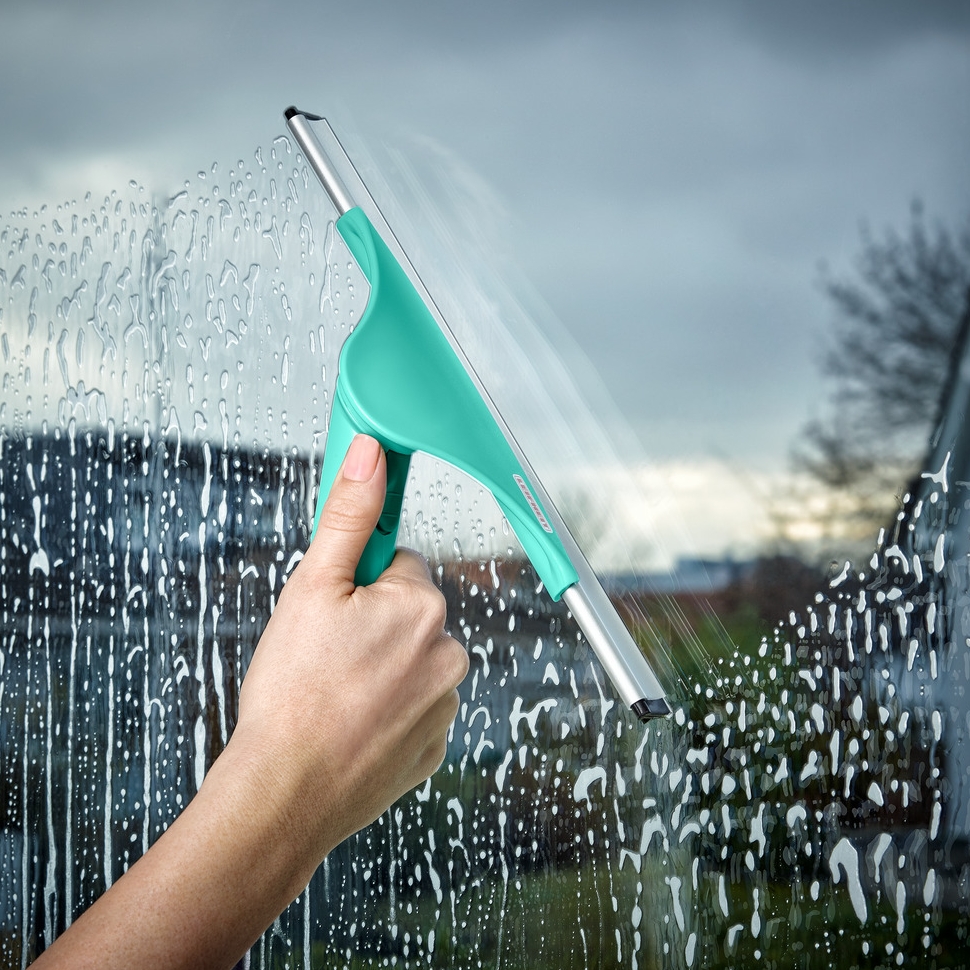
(400, 380)
(381, 546)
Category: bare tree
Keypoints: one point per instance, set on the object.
(898, 316)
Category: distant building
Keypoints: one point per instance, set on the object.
(689, 575)
(135, 578)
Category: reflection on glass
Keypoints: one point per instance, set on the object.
(160, 423)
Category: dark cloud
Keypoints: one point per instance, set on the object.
(672, 172)
(828, 29)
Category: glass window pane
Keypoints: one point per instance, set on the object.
(162, 421)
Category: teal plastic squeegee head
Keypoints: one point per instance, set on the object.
(403, 379)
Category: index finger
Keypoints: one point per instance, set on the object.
(410, 564)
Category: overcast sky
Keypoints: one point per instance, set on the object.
(669, 176)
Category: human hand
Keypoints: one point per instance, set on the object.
(351, 690)
(345, 707)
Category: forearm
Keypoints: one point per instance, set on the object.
(208, 888)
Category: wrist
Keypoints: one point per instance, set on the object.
(271, 800)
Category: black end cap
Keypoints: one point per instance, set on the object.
(647, 710)
(292, 111)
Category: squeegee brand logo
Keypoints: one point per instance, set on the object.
(533, 504)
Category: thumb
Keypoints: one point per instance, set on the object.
(351, 511)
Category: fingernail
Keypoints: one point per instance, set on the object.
(361, 461)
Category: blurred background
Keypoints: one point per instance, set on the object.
(707, 211)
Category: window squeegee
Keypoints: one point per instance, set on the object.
(403, 379)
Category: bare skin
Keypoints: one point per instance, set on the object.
(345, 708)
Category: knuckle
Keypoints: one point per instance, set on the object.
(426, 606)
(420, 563)
(458, 664)
(435, 608)
(434, 756)
(341, 514)
(455, 702)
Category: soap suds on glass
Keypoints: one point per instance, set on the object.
(166, 373)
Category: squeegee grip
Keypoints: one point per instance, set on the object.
(380, 548)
